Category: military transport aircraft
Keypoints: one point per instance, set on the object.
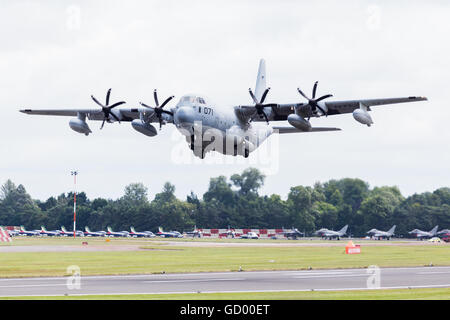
(419, 234)
(330, 234)
(232, 130)
(377, 234)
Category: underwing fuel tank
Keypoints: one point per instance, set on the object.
(144, 128)
(363, 117)
(299, 122)
(79, 126)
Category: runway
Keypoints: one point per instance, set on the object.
(262, 281)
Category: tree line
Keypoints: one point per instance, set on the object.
(235, 202)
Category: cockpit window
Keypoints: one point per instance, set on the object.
(187, 99)
(200, 100)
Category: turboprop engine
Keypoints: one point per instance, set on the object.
(79, 126)
(299, 122)
(362, 116)
(144, 128)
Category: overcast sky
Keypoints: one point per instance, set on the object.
(55, 54)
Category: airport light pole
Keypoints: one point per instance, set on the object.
(74, 174)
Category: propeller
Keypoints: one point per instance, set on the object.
(314, 102)
(106, 109)
(158, 110)
(259, 105)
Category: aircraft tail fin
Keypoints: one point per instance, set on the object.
(160, 229)
(392, 230)
(63, 229)
(109, 229)
(43, 229)
(86, 228)
(260, 80)
(22, 228)
(132, 230)
(434, 230)
(344, 229)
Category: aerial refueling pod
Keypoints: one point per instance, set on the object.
(144, 128)
(299, 122)
(362, 116)
(80, 126)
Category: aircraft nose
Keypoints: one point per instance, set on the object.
(184, 115)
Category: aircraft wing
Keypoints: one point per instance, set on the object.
(282, 130)
(279, 112)
(340, 107)
(126, 114)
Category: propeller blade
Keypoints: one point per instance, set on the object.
(253, 96)
(323, 97)
(107, 97)
(116, 104)
(167, 112)
(155, 95)
(144, 105)
(301, 92)
(103, 123)
(264, 95)
(265, 116)
(167, 100)
(114, 116)
(314, 89)
(96, 101)
(323, 111)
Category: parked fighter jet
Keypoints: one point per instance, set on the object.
(321, 232)
(330, 234)
(170, 234)
(293, 233)
(419, 234)
(111, 233)
(377, 234)
(65, 233)
(194, 233)
(145, 234)
(89, 233)
(53, 233)
(231, 130)
(23, 232)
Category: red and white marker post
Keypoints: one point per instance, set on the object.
(74, 173)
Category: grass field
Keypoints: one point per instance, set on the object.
(158, 258)
(397, 294)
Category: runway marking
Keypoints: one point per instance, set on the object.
(434, 272)
(331, 276)
(34, 285)
(193, 280)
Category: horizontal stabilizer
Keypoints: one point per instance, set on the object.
(295, 130)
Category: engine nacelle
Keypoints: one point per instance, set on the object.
(299, 122)
(144, 128)
(79, 126)
(363, 117)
